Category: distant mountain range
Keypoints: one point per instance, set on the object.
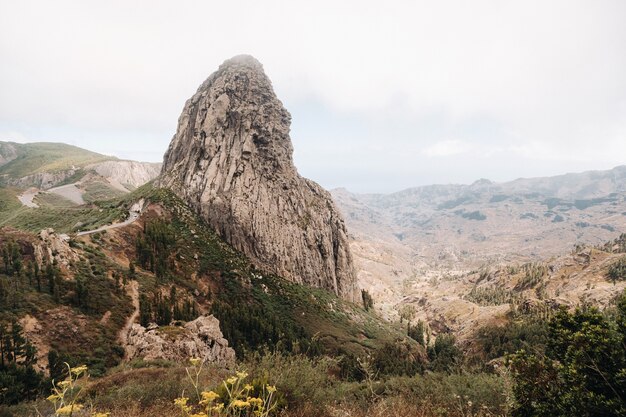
(426, 231)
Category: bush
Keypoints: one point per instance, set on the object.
(617, 271)
(583, 371)
(444, 355)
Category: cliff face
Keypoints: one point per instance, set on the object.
(231, 160)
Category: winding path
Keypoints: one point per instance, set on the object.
(27, 198)
(132, 217)
(133, 289)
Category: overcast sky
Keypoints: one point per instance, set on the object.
(383, 95)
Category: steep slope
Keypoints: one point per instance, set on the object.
(181, 270)
(231, 160)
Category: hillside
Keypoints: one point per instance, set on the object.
(438, 230)
(46, 165)
(21, 161)
(87, 296)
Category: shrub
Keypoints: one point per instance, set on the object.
(583, 371)
(617, 271)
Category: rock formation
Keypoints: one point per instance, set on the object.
(231, 160)
(200, 338)
(54, 247)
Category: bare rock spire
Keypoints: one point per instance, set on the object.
(231, 160)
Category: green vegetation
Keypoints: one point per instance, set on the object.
(18, 379)
(496, 341)
(583, 369)
(58, 213)
(95, 191)
(33, 158)
(454, 203)
(534, 274)
(471, 215)
(48, 201)
(617, 270)
(489, 296)
(71, 308)
(368, 301)
(304, 386)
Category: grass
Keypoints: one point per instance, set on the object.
(306, 387)
(33, 158)
(56, 212)
(51, 201)
(98, 191)
(62, 220)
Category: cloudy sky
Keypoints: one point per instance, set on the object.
(384, 95)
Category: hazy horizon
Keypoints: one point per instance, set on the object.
(382, 97)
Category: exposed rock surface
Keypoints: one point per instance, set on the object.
(231, 160)
(54, 246)
(127, 175)
(200, 338)
(42, 180)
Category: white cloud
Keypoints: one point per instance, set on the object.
(502, 76)
(447, 148)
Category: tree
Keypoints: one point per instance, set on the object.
(368, 301)
(18, 380)
(417, 332)
(583, 371)
(444, 354)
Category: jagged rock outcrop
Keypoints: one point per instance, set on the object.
(200, 338)
(54, 246)
(41, 180)
(231, 160)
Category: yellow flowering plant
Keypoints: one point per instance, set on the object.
(234, 397)
(66, 393)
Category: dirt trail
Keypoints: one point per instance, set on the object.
(133, 214)
(133, 291)
(131, 218)
(27, 198)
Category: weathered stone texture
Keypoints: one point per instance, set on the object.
(231, 160)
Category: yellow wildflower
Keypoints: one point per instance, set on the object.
(100, 414)
(218, 407)
(240, 404)
(65, 383)
(248, 387)
(231, 380)
(256, 402)
(53, 398)
(69, 409)
(182, 403)
(209, 397)
(195, 361)
(198, 415)
(271, 388)
(242, 375)
(79, 370)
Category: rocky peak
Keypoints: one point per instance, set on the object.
(231, 160)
